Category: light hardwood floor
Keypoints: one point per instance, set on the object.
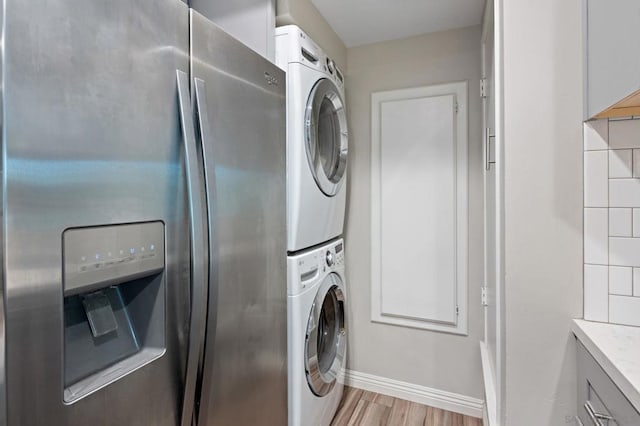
(363, 408)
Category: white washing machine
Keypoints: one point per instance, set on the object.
(317, 141)
(317, 339)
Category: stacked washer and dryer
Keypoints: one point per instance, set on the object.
(317, 142)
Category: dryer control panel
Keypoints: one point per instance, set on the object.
(294, 46)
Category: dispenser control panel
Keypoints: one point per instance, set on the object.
(100, 256)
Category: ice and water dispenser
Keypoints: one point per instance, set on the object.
(114, 303)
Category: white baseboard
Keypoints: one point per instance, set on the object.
(421, 394)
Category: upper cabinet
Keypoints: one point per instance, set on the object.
(253, 22)
(612, 58)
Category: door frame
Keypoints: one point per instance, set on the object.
(494, 377)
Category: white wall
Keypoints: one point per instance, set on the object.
(542, 97)
(305, 15)
(437, 360)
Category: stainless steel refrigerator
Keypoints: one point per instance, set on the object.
(143, 223)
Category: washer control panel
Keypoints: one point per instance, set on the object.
(305, 269)
(308, 267)
(339, 249)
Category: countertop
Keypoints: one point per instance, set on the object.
(617, 349)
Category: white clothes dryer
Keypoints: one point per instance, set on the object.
(317, 141)
(317, 338)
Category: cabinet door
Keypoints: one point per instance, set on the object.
(612, 53)
(598, 390)
(253, 22)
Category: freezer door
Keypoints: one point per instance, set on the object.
(92, 143)
(240, 104)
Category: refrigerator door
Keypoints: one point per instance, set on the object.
(93, 165)
(240, 104)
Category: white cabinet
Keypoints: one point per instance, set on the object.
(253, 22)
(612, 58)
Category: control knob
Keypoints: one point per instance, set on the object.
(330, 260)
(330, 66)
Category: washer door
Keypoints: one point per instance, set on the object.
(325, 344)
(326, 136)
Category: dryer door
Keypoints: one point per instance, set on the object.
(325, 344)
(326, 136)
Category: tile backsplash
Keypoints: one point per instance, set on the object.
(612, 221)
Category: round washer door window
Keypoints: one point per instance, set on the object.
(325, 345)
(326, 136)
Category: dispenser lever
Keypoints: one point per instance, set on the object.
(99, 313)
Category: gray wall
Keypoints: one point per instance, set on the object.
(305, 15)
(437, 360)
(543, 207)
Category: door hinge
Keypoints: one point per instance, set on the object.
(483, 296)
(483, 87)
(457, 310)
(455, 108)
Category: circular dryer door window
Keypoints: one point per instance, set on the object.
(325, 345)
(326, 136)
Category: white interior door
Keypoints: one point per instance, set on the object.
(420, 207)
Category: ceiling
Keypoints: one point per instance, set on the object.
(359, 22)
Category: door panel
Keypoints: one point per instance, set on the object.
(325, 345)
(241, 113)
(418, 175)
(91, 137)
(326, 136)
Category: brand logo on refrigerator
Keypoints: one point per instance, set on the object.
(271, 80)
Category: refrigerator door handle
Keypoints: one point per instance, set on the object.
(202, 119)
(198, 246)
(203, 113)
